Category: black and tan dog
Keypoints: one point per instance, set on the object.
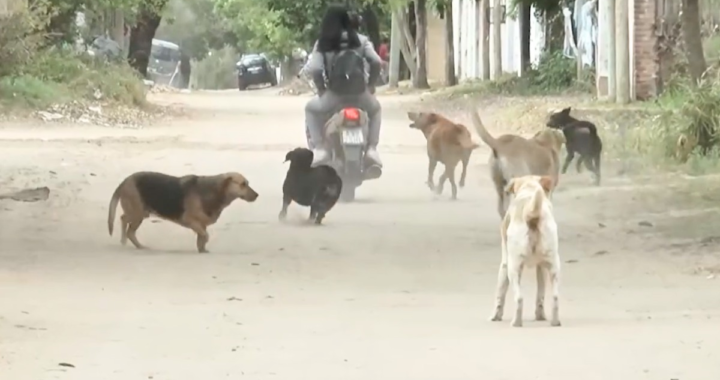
(191, 201)
(317, 187)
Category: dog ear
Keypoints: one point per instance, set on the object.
(547, 183)
(225, 183)
(510, 187)
(566, 111)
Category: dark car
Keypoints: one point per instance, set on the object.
(255, 69)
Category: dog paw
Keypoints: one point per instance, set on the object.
(282, 216)
(496, 318)
(555, 323)
(203, 251)
(462, 183)
(516, 323)
(540, 316)
(430, 185)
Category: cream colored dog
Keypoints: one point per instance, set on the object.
(529, 238)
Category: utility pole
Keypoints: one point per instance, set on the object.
(609, 9)
(497, 40)
(484, 26)
(622, 53)
(450, 77)
(395, 51)
(524, 17)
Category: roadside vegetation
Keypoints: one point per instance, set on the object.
(37, 72)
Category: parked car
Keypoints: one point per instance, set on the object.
(253, 69)
(163, 63)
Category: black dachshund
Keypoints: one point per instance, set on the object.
(317, 187)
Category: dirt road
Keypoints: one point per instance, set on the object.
(398, 285)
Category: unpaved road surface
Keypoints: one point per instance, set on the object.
(398, 285)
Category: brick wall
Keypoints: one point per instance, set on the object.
(644, 45)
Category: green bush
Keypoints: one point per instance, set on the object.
(216, 71)
(690, 111)
(35, 75)
(29, 91)
(554, 74)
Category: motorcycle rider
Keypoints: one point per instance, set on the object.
(340, 55)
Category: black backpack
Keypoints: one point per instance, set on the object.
(346, 73)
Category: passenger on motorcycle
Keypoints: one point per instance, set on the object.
(340, 55)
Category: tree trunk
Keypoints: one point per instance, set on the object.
(421, 80)
(61, 27)
(141, 36)
(554, 30)
(484, 40)
(692, 38)
(497, 39)
(450, 77)
(524, 14)
(407, 45)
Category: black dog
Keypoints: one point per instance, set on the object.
(317, 187)
(582, 138)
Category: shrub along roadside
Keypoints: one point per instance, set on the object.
(34, 75)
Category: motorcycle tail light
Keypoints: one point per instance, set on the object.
(351, 114)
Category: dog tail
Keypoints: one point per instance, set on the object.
(464, 138)
(483, 132)
(589, 126)
(114, 200)
(533, 209)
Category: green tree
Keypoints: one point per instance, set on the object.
(258, 27)
(196, 27)
(278, 26)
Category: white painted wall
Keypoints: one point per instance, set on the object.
(466, 17)
(602, 44)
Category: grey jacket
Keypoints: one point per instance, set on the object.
(316, 64)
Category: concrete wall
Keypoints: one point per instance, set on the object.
(436, 48)
(466, 15)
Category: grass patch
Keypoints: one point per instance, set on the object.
(555, 74)
(34, 75)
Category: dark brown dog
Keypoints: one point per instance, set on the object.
(582, 138)
(448, 143)
(191, 201)
(515, 156)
